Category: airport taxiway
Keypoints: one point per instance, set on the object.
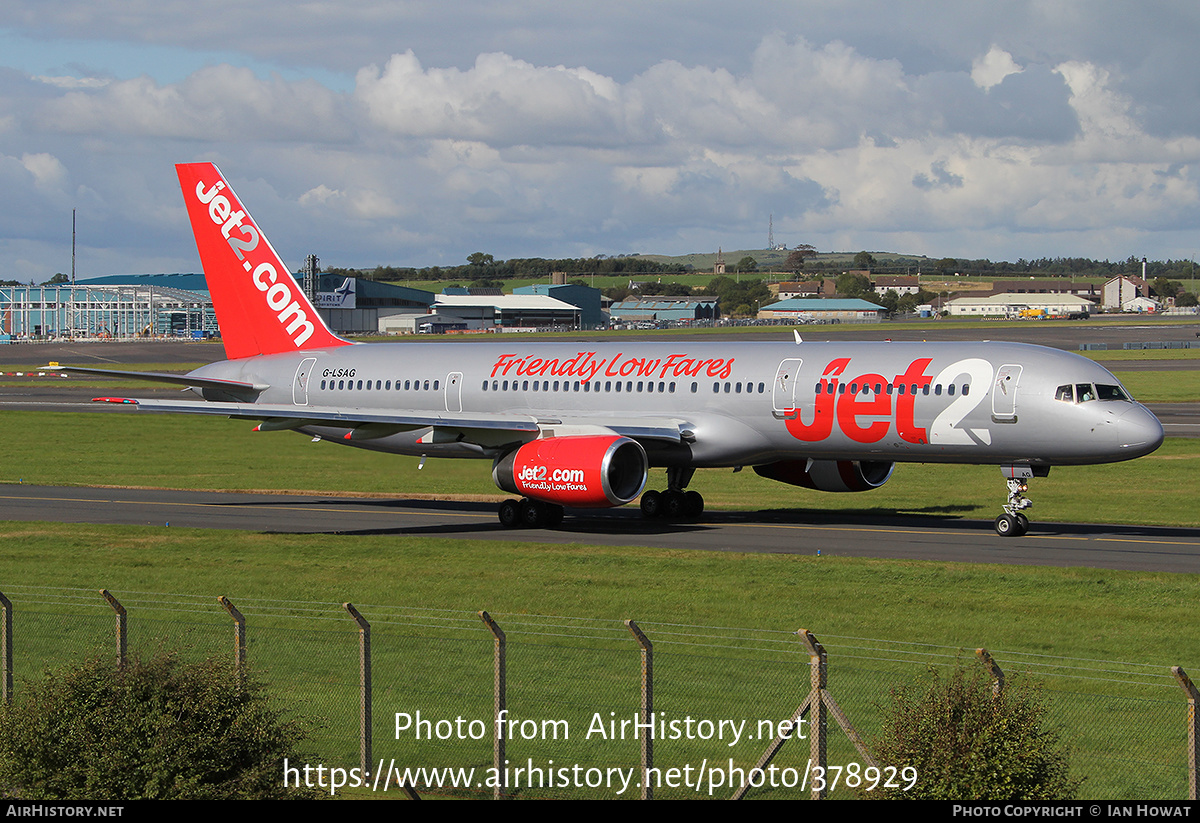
(830, 534)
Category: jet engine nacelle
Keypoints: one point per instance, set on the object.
(586, 471)
(829, 475)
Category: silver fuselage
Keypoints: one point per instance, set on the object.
(734, 403)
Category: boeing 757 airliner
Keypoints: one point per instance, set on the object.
(582, 424)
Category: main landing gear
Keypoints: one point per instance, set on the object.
(530, 514)
(1013, 523)
(674, 503)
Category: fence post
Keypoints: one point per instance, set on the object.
(6, 650)
(364, 686)
(1193, 696)
(647, 711)
(239, 632)
(994, 669)
(818, 663)
(500, 696)
(120, 610)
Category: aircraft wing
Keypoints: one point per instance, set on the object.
(370, 424)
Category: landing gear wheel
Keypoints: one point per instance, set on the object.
(693, 504)
(1022, 525)
(510, 514)
(554, 515)
(533, 514)
(652, 504)
(1006, 526)
(672, 504)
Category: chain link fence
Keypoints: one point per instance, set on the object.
(572, 698)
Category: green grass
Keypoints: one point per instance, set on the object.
(569, 656)
(1162, 386)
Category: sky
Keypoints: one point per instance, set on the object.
(389, 132)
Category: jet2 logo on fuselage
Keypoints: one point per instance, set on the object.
(867, 416)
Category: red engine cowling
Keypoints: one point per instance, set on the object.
(829, 475)
(586, 471)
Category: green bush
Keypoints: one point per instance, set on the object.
(159, 728)
(967, 744)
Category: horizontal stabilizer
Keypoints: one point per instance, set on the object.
(175, 379)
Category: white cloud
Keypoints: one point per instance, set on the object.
(500, 100)
(217, 103)
(523, 131)
(46, 170)
(991, 69)
(74, 82)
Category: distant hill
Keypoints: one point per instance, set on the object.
(772, 260)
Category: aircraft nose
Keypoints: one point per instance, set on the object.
(1139, 432)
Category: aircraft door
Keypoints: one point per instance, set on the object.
(783, 391)
(300, 384)
(454, 392)
(1004, 394)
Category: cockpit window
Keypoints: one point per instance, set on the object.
(1111, 392)
(1084, 392)
(1065, 393)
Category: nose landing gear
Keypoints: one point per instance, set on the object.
(1013, 523)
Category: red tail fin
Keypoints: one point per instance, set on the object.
(260, 307)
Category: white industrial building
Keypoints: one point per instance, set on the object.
(1011, 305)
